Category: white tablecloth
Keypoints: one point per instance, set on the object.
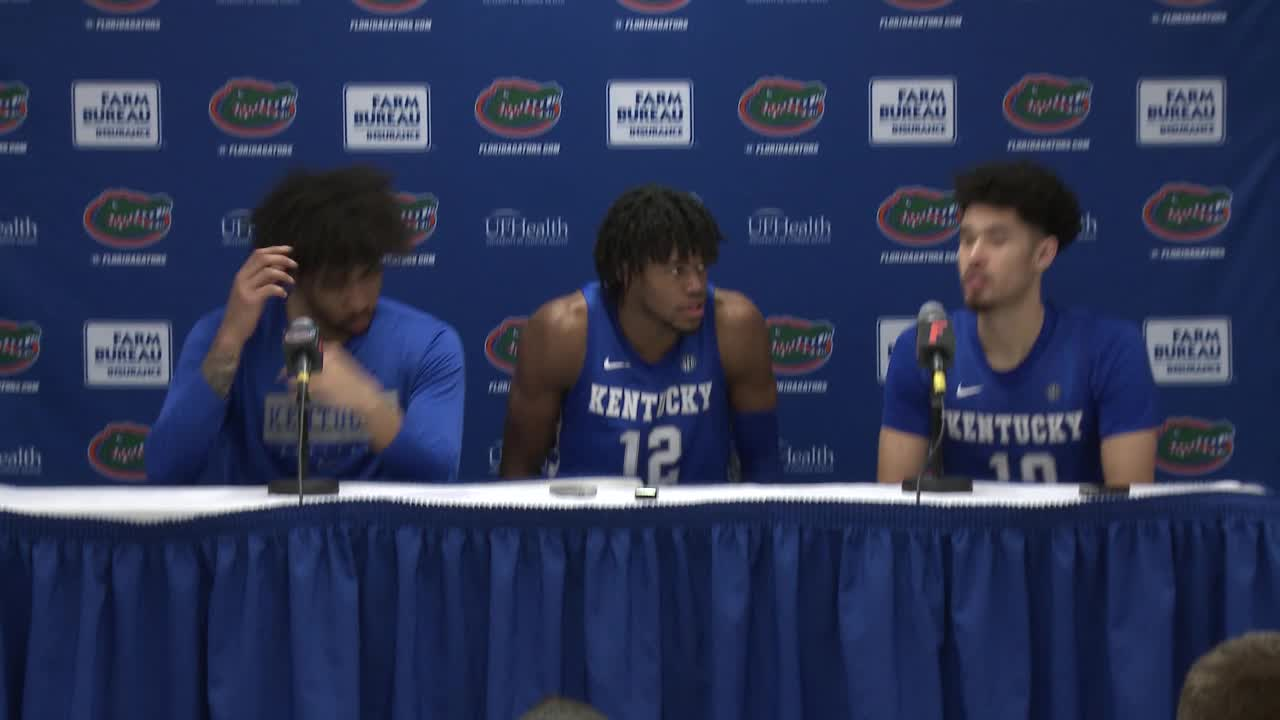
(159, 503)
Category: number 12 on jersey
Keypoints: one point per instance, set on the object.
(663, 446)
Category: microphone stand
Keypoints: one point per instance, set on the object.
(933, 479)
(303, 484)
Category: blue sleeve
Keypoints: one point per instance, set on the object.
(906, 389)
(428, 447)
(755, 438)
(1124, 389)
(183, 436)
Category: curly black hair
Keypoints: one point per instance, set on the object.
(1039, 196)
(644, 225)
(335, 221)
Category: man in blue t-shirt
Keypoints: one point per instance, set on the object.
(388, 401)
(1036, 393)
(649, 372)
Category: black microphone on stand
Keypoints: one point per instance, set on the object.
(935, 350)
(303, 355)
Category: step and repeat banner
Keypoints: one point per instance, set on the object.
(135, 135)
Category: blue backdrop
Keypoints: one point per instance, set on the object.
(135, 134)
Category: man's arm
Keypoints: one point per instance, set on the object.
(425, 441)
(904, 425)
(550, 356)
(1128, 414)
(194, 409)
(743, 338)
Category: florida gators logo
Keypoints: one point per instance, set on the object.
(919, 5)
(918, 216)
(254, 109)
(1186, 212)
(518, 108)
(117, 451)
(1048, 104)
(419, 212)
(653, 7)
(128, 219)
(121, 7)
(799, 346)
(14, 101)
(502, 344)
(782, 107)
(389, 7)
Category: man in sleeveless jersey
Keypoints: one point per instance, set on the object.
(650, 371)
(1036, 393)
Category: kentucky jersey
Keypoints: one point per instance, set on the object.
(664, 422)
(1085, 378)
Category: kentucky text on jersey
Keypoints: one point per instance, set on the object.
(628, 404)
(1022, 429)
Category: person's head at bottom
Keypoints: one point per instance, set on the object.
(338, 226)
(1239, 679)
(1015, 218)
(652, 253)
(558, 708)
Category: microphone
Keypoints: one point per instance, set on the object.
(935, 344)
(935, 351)
(303, 352)
(303, 355)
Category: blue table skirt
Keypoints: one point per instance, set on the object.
(748, 610)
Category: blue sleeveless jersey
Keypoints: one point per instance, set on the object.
(666, 422)
(1085, 378)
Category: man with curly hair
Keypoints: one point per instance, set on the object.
(388, 401)
(1035, 393)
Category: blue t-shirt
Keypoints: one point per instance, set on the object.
(665, 422)
(1086, 378)
(250, 437)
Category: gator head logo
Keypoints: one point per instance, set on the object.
(502, 344)
(419, 215)
(519, 108)
(919, 5)
(250, 108)
(14, 100)
(1048, 103)
(780, 107)
(918, 216)
(389, 7)
(19, 346)
(799, 346)
(1185, 212)
(1194, 446)
(653, 6)
(128, 219)
(121, 7)
(116, 451)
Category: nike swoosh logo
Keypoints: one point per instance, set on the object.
(964, 392)
(615, 364)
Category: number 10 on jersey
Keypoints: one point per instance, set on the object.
(662, 444)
